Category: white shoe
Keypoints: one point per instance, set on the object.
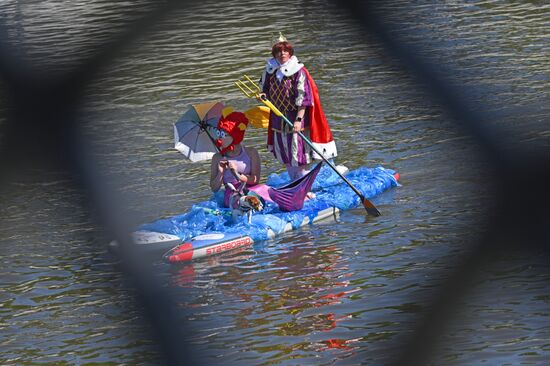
(342, 169)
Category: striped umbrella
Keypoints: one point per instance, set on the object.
(193, 131)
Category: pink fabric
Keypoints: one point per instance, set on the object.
(261, 190)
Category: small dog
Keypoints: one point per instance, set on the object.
(241, 203)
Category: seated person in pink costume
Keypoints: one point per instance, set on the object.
(237, 164)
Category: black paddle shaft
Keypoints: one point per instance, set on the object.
(371, 209)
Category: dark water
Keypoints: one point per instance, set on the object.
(342, 292)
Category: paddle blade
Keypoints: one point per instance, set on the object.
(371, 209)
(258, 116)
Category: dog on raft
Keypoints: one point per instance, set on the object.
(242, 203)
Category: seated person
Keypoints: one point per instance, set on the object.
(235, 163)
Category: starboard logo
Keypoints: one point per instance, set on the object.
(229, 245)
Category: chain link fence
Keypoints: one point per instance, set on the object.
(47, 106)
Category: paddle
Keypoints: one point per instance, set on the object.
(251, 93)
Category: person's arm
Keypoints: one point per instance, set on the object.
(262, 84)
(302, 100)
(216, 173)
(298, 122)
(263, 87)
(255, 166)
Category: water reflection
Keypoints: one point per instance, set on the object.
(185, 275)
(287, 288)
(320, 295)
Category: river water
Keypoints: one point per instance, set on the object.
(343, 292)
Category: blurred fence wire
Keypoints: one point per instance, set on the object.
(519, 221)
(47, 106)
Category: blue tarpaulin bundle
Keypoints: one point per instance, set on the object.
(210, 216)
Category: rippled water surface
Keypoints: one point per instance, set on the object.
(341, 292)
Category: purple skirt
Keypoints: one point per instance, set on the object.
(288, 147)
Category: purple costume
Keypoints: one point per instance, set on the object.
(287, 95)
(288, 198)
(242, 161)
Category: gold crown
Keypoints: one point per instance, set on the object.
(278, 39)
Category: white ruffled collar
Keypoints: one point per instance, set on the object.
(287, 69)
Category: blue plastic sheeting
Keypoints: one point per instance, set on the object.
(210, 216)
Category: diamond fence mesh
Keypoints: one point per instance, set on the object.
(47, 106)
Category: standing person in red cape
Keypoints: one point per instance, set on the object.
(290, 87)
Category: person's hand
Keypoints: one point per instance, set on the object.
(242, 178)
(297, 126)
(231, 165)
(222, 165)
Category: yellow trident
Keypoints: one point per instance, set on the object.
(248, 87)
(252, 90)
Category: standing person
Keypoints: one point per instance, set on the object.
(235, 163)
(289, 86)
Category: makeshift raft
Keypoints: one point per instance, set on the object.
(207, 228)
